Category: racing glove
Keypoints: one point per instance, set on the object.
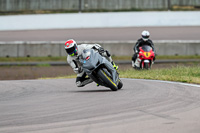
(101, 50)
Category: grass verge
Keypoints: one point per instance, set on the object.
(63, 58)
(179, 74)
(31, 59)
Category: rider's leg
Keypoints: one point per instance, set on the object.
(81, 79)
(154, 58)
(133, 59)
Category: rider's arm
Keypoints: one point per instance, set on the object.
(136, 46)
(95, 46)
(74, 65)
(91, 46)
(101, 51)
(152, 45)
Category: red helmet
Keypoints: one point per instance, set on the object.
(71, 47)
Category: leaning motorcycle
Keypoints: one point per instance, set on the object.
(144, 58)
(100, 70)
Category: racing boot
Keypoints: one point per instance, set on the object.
(114, 65)
(133, 64)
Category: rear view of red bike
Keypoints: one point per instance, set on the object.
(144, 58)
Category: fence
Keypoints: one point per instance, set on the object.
(33, 5)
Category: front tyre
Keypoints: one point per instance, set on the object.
(146, 66)
(120, 84)
(107, 80)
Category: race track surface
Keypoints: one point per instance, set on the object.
(57, 106)
(103, 34)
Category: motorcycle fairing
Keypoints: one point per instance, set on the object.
(94, 62)
(145, 55)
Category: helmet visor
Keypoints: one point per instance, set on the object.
(72, 51)
(145, 37)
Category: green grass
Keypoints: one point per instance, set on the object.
(31, 59)
(61, 77)
(43, 65)
(63, 58)
(179, 74)
(178, 57)
(163, 57)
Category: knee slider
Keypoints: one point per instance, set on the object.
(79, 84)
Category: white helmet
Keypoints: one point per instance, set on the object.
(71, 47)
(145, 35)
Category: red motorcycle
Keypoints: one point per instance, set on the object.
(144, 58)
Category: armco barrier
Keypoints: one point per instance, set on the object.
(117, 48)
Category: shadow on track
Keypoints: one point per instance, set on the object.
(91, 91)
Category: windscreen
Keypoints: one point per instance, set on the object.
(146, 48)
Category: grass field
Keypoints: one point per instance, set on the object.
(40, 59)
(185, 74)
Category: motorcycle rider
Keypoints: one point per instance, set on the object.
(74, 52)
(140, 42)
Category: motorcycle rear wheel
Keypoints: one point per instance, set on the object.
(107, 80)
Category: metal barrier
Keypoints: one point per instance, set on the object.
(56, 49)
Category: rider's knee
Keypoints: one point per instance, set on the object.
(134, 57)
(78, 81)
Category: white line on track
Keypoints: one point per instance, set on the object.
(170, 82)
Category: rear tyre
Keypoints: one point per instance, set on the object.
(107, 80)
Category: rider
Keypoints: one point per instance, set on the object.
(74, 51)
(140, 42)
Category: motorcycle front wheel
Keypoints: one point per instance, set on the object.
(120, 84)
(146, 66)
(107, 80)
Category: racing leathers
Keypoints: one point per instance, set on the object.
(74, 62)
(140, 43)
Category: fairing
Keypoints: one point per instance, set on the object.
(94, 62)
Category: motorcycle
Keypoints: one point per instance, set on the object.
(144, 58)
(100, 70)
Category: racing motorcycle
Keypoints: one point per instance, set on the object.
(145, 58)
(100, 70)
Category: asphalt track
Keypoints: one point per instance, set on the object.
(57, 106)
(103, 34)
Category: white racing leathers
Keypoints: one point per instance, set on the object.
(73, 61)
